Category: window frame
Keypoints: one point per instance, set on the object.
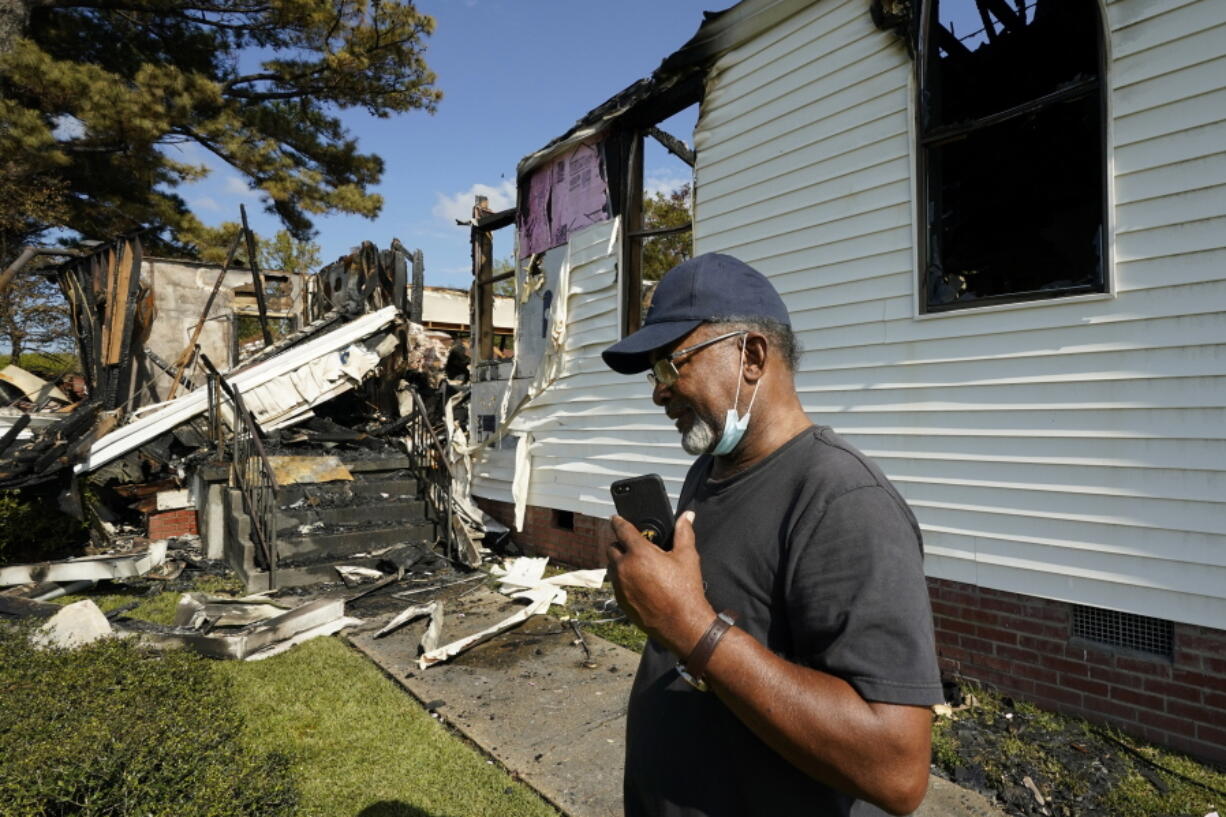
(923, 143)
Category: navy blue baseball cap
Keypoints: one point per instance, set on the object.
(707, 288)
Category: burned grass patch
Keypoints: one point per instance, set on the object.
(1035, 762)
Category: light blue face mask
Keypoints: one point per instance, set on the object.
(734, 426)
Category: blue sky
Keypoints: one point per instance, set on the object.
(514, 74)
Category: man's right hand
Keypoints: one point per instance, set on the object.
(661, 591)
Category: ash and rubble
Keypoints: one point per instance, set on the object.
(1040, 764)
(316, 460)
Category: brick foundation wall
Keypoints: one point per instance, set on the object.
(1022, 645)
(582, 546)
(172, 523)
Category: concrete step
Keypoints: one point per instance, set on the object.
(370, 465)
(289, 494)
(257, 580)
(392, 510)
(353, 540)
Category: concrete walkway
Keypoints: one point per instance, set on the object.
(532, 699)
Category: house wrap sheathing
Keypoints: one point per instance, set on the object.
(1065, 456)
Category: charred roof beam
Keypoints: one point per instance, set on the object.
(673, 145)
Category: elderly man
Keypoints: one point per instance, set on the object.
(817, 699)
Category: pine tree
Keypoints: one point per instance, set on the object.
(97, 93)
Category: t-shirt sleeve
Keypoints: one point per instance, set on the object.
(858, 601)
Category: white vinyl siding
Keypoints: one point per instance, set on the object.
(591, 426)
(1072, 449)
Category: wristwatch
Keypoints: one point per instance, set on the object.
(695, 666)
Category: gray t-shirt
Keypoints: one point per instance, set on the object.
(822, 559)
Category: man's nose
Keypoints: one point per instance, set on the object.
(660, 394)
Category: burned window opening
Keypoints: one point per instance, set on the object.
(1011, 152)
(659, 228)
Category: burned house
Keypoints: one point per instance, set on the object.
(1001, 232)
(290, 445)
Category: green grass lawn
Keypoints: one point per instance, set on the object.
(358, 744)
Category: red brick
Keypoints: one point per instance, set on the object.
(1199, 679)
(1216, 666)
(1214, 699)
(954, 625)
(1002, 664)
(944, 639)
(1017, 654)
(1056, 693)
(1043, 646)
(942, 608)
(958, 597)
(1035, 627)
(956, 653)
(1094, 688)
(1114, 709)
(172, 523)
(1001, 606)
(1054, 612)
(1064, 665)
(1157, 666)
(1167, 723)
(1188, 659)
(1210, 642)
(1181, 692)
(1211, 734)
(975, 645)
(1194, 712)
(996, 634)
(1034, 672)
(1124, 679)
(1022, 686)
(1141, 699)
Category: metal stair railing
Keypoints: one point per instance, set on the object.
(428, 462)
(250, 470)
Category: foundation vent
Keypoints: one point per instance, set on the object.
(1154, 636)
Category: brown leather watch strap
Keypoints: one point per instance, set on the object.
(696, 664)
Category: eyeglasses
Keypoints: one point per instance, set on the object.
(664, 371)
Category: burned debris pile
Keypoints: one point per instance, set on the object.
(313, 452)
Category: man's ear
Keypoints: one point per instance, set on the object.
(756, 351)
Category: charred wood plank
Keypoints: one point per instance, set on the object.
(257, 280)
(673, 145)
(126, 376)
(11, 435)
(659, 231)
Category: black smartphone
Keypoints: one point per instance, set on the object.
(644, 502)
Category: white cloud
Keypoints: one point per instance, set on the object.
(206, 203)
(237, 187)
(459, 206)
(664, 180)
